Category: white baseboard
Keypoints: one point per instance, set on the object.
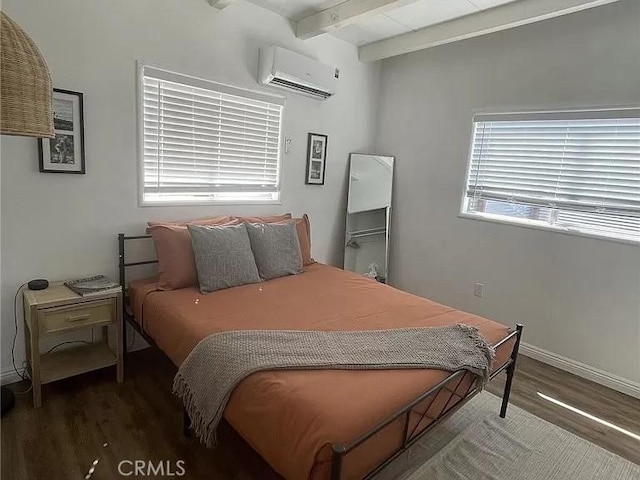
(580, 369)
(9, 375)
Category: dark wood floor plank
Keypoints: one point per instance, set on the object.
(141, 420)
(622, 410)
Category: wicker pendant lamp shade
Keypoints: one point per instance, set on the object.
(26, 90)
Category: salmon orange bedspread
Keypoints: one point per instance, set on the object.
(292, 417)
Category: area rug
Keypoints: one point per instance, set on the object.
(476, 444)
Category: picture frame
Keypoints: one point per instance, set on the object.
(316, 159)
(64, 153)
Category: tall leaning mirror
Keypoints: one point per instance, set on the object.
(369, 215)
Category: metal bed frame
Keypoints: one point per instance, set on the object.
(445, 390)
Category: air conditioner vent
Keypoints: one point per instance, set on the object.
(300, 88)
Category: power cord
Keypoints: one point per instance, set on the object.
(13, 345)
(24, 392)
(15, 333)
(65, 343)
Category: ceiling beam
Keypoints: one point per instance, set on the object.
(220, 4)
(343, 14)
(504, 17)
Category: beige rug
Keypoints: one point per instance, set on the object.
(476, 444)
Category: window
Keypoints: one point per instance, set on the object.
(203, 142)
(569, 171)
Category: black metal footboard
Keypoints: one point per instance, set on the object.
(444, 393)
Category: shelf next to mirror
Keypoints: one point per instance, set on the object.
(367, 232)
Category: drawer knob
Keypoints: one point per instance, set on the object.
(77, 318)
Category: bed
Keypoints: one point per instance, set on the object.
(324, 423)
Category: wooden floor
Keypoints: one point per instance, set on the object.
(609, 405)
(91, 417)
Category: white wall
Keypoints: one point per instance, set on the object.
(578, 297)
(61, 226)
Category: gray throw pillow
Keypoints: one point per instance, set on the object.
(276, 249)
(223, 257)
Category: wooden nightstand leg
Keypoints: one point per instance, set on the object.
(34, 352)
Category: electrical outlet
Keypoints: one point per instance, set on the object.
(287, 145)
(478, 289)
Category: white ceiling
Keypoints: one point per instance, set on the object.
(414, 16)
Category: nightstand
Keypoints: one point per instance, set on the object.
(57, 310)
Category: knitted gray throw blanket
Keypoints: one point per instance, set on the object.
(219, 362)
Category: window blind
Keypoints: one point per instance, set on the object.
(206, 141)
(583, 166)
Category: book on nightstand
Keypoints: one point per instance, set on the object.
(92, 285)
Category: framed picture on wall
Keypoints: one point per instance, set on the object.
(65, 153)
(316, 159)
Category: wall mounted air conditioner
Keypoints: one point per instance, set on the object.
(286, 69)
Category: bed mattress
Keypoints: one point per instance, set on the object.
(291, 418)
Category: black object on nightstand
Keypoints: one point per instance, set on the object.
(38, 284)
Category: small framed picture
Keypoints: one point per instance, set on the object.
(65, 153)
(316, 159)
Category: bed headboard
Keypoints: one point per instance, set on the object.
(122, 262)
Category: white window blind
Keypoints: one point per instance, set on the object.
(203, 141)
(570, 170)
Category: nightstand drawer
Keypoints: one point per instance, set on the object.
(69, 318)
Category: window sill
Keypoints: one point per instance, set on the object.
(204, 203)
(548, 228)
